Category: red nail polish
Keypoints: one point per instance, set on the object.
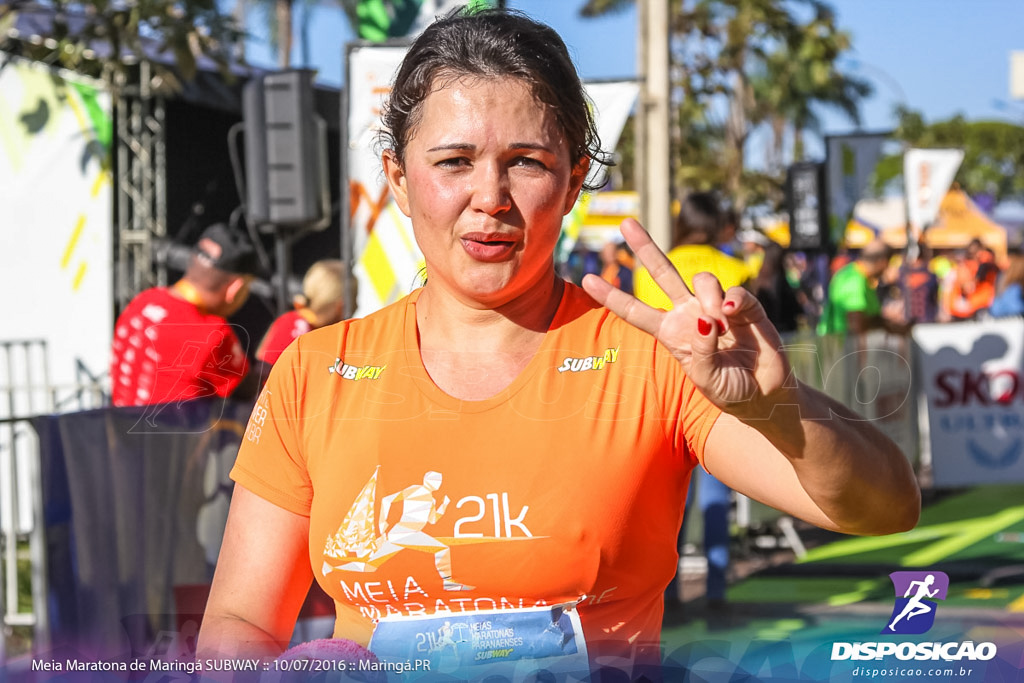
(703, 326)
(729, 304)
(721, 326)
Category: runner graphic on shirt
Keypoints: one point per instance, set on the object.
(914, 606)
(445, 639)
(357, 535)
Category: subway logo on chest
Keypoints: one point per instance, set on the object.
(355, 372)
(585, 363)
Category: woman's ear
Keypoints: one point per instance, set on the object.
(394, 173)
(579, 174)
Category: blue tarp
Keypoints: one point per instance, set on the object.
(135, 501)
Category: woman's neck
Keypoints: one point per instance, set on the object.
(446, 322)
(457, 340)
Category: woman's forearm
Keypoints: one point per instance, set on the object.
(231, 637)
(854, 473)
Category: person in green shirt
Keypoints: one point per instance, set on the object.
(852, 305)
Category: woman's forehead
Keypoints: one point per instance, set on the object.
(510, 88)
(475, 103)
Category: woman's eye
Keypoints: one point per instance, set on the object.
(454, 162)
(529, 161)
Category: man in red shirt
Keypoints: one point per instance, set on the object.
(174, 343)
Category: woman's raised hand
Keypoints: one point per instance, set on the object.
(724, 340)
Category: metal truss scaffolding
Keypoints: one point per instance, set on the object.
(141, 200)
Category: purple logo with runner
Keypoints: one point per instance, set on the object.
(916, 592)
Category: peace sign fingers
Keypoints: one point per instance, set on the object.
(654, 260)
(627, 307)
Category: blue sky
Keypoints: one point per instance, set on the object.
(941, 57)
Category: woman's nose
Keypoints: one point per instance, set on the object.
(491, 192)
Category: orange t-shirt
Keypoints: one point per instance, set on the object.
(567, 486)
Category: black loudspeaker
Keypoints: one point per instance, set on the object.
(285, 152)
(805, 199)
(256, 208)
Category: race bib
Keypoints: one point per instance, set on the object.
(514, 642)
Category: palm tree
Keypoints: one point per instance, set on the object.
(801, 76)
(738, 64)
(280, 18)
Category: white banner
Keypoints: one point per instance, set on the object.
(927, 175)
(56, 252)
(613, 103)
(56, 258)
(972, 375)
(1017, 74)
(371, 70)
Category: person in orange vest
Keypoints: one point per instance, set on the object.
(619, 261)
(974, 283)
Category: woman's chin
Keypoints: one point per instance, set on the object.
(492, 292)
(493, 284)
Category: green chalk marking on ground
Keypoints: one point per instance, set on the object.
(867, 544)
(781, 629)
(973, 531)
(861, 592)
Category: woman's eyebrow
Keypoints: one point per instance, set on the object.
(465, 146)
(530, 145)
(453, 146)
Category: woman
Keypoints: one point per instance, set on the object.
(498, 442)
(321, 303)
(1009, 298)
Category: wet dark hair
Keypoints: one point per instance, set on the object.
(492, 43)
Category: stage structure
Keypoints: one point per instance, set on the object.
(105, 185)
(141, 185)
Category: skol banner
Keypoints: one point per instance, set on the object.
(971, 374)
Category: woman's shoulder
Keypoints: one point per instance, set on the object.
(362, 331)
(580, 314)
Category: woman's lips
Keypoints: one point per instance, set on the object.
(488, 247)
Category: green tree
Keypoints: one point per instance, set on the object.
(993, 153)
(740, 64)
(799, 77)
(104, 37)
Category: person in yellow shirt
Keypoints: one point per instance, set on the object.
(693, 237)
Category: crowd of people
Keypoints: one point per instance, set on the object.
(874, 286)
(854, 292)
